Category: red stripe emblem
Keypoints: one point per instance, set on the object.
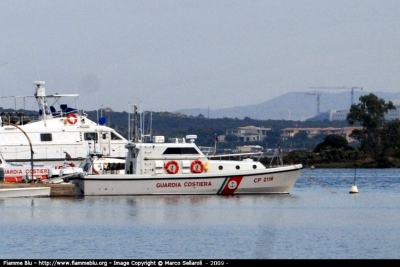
(230, 186)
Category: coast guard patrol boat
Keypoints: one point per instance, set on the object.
(60, 132)
(181, 168)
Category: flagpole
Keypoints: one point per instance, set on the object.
(216, 140)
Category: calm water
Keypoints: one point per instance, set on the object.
(318, 220)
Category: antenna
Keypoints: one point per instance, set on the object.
(135, 123)
(151, 124)
(40, 96)
(37, 67)
(340, 87)
(318, 101)
(129, 121)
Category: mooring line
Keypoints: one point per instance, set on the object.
(321, 184)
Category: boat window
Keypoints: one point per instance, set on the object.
(44, 137)
(133, 155)
(117, 166)
(181, 150)
(90, 136)
(115, 137)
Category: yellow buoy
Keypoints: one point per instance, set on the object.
(206, 167)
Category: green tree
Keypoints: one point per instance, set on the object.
(231, 138)
(392, 143)
(300, 137)
(335, 141)
(370, 113)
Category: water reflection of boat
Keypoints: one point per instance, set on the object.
(59, 131)
(25, 192)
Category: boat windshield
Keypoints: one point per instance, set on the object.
(181, 151)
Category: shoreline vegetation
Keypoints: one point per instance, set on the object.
(367, 162)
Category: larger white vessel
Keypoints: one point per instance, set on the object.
(59, 133)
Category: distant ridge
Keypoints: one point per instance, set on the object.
(291, 106)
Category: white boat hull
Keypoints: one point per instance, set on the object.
(278, 180)
(25, 192)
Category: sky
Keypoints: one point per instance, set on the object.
(167, 55)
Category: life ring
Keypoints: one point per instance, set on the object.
(197, 166)
(72, 118)
(171, 167)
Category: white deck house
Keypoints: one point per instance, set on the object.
(344, 131)
(249, 133)
(341, 115)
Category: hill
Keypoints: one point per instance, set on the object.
(291, 106)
